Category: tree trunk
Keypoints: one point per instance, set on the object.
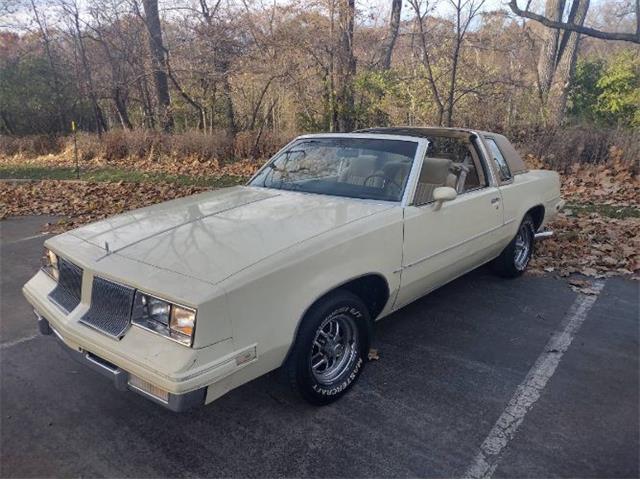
(557, 60)
(346, 66)
(452, 83)
(390, 40)
(229, 111)
(146, 101)
(568, 54)
(549, 52)
(333, 111)
(121, 108)
(7, 123)
(158, 63)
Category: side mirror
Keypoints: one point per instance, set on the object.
(443, 194)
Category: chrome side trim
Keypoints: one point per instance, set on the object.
(424, 259)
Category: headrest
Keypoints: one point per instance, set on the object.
(435, 171)
(392, 169)
(363, 165)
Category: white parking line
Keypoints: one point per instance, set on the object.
(13, 343)
(25, 239)
(528, 392)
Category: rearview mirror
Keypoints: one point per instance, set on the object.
(443, 194)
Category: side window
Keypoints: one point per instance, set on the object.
(503, 167)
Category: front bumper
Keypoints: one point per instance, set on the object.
(124, 380)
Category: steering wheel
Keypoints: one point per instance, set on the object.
(386, 180)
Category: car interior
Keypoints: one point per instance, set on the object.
(449, 162)
(376, 169)
(359, 168)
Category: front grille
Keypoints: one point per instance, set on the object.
(110, 309)
(67, 291)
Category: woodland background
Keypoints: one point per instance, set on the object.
(191, 94)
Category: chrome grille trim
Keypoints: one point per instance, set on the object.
(110, 308)
(66, 294)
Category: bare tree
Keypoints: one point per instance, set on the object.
(465, 12)
(218, 36)
(421, 16)
(70, 7)
(557, 59)
(550, 20)
(57, 82)
(445, 94)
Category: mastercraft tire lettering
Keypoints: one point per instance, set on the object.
(329, 352)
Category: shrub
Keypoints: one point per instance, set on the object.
(200, 145)
(559, 148)
(33, 145)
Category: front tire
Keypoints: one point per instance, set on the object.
(330, 349)
(515, 258)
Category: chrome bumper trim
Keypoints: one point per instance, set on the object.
(120, 377)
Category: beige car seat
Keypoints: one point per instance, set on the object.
(397, 172)
(359, 169)
(435, 173)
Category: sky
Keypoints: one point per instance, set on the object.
(372, 11)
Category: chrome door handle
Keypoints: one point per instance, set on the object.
(495, 200)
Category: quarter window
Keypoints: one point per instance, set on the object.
(503, 166)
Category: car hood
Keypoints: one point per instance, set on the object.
(213, 235)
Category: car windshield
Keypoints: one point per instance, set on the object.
(368, 168)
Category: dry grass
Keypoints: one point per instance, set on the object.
(147, 145)
(558, 149)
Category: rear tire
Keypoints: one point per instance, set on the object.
(330, 349)
(515, 258)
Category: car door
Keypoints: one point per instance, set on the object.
(443, 243)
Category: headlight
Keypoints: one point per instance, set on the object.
(50, 264)
(165, 318)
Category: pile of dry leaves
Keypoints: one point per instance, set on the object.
(82, 202)
(613, 184)
(590, 244)
(588, 241)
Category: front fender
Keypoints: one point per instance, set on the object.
(267, 302)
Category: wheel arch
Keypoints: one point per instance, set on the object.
(537, 214)
(372, 288)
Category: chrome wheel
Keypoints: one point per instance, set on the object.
(335, 348)
(522, 252)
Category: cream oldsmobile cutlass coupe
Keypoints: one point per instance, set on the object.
(185, 300)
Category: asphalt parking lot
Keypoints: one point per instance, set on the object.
(527, 375)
